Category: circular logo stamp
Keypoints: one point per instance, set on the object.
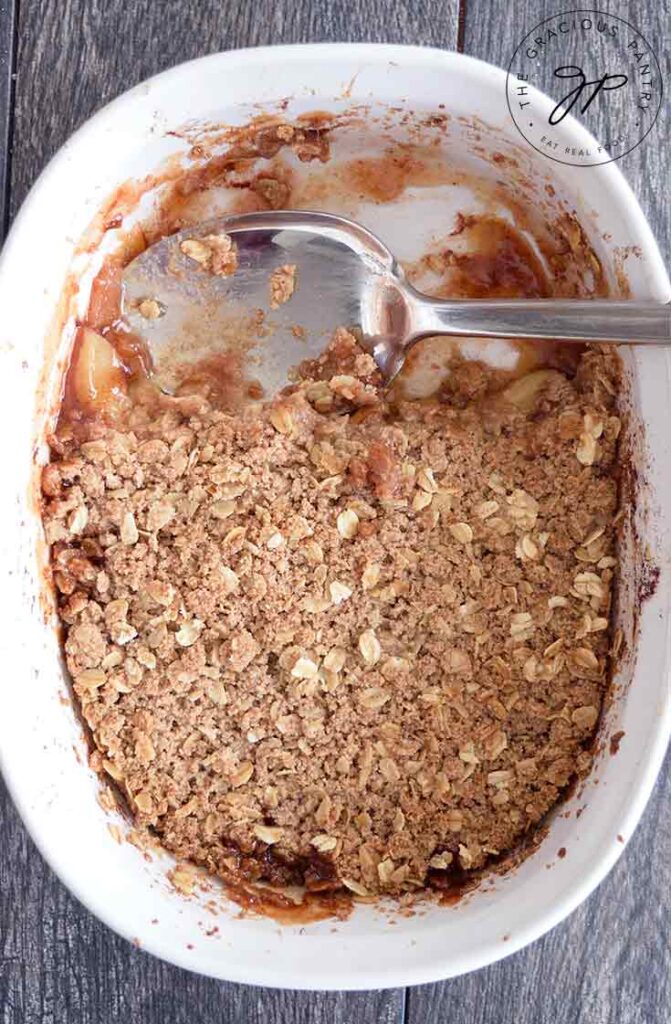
(595, 67)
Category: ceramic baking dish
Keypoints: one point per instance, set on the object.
(42, 746)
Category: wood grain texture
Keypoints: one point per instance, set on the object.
(76, 55)
(493, 32)
(610, 962)
(58, 965)
(7, 56)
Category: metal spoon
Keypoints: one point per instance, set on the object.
(344, 275)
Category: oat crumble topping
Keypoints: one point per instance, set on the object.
(335, 640)
(282, 285)
(216, 254)
(150, 309)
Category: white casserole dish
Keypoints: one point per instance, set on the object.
(43, 753)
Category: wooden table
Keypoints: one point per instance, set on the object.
(60, 60)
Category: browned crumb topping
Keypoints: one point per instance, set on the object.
(282, 285)
(150, 309)
(335, 641)
(217, 254)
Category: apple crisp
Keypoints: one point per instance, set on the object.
(338, 638)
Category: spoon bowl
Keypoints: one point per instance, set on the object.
(187, 310)
(344, 276)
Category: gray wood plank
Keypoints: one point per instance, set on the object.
(7, 55)
(611, 960)
(58, 965)
(56, 962)
(76, 55)
(609, 963)
(493, 32)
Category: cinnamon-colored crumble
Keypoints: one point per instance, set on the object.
(215, 254)
(282, 285)
(335, 639)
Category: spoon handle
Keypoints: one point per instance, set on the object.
(573, 320)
